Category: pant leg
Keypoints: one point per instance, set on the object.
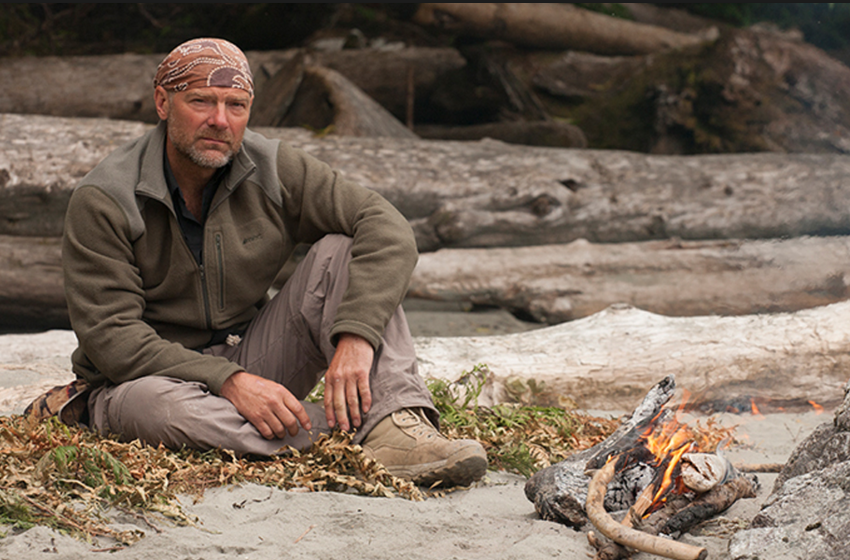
(180, 413)
(289, 340)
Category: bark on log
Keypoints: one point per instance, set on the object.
(557, 283)
(119, 86)
(479, 194)
(553, 26)
(551, 284)
(609, 360)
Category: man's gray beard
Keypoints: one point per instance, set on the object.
(209, 161)
(196, 156)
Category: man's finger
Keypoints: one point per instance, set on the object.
(329, 404)
(297, 413)
(340, 408)
(353, 398)
(365, 394)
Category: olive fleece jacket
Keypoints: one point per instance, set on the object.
(141, 305)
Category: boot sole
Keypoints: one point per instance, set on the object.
(454, 471)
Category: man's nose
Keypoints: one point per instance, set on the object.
(218, 117)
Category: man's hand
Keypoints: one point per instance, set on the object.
(347, 391)
(269, 406)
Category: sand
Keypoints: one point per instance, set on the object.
(491, 520)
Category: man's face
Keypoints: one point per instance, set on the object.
(206, 125)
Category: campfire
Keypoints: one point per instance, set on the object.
(655, 474)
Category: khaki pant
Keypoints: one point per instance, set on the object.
(288, 343)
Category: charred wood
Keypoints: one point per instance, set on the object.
(559, 492)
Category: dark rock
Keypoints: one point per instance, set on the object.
(808, 513)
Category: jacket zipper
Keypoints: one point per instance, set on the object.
(220, 263)
(206, 294)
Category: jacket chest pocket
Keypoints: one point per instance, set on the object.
(245, 262)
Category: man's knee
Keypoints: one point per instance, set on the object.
(153, 409)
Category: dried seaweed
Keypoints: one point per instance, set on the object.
(67, 478)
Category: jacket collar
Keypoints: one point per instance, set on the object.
(152, 177)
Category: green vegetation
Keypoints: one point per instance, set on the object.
(518, 438)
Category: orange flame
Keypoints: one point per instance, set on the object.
(668, 442)
(818, 408)
(755, 408)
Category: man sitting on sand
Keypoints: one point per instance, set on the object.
(171, 245)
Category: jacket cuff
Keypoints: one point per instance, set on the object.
(217, 378)
(353, 327)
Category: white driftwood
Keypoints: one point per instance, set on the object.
(606, 362)
(609, 360)
(557, 283)
(479, 194)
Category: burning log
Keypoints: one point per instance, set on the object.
(559, 492)
(677, 519)
(625, 535)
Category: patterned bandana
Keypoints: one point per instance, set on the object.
(205, 63)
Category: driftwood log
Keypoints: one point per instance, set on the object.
(32, 296)
(552, 26)
(480, 194)
(304, 95)
(557, 283)
(62, 86)
(609, 360)
(549, 284)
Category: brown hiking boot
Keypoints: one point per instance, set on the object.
(409, 446)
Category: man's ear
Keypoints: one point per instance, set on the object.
(160, 99)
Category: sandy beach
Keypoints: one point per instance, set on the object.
(492, 519)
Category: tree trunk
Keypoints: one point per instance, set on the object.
(557, 283)
(553, 26)
(609, 360)
(550, 284)
(484, 194)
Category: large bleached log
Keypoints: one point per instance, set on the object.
(552, 26)
(557, 283)
(480, 194)
(610, 360)
(550, 283)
